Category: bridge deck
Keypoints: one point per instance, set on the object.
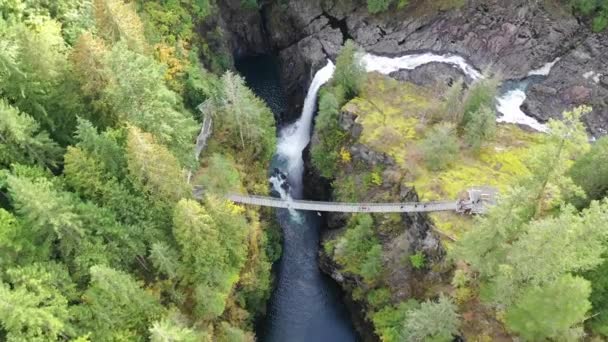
(409, 207)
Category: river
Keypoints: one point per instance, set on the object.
(306, 304)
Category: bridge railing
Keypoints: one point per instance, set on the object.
(345, 206)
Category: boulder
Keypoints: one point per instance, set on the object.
(431, 74)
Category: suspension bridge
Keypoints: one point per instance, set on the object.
(475, 201)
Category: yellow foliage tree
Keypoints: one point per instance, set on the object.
(87, 59)
(176, 65)
(154, 167)
(117, 20)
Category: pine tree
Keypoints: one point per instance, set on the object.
(115, 306)
(350, 73)
(213, 246)
(432, 321)
(154, 167)
(117, 20)
(139, 96)
(173, 328)
(551, 311)
(89, 64)
(590, 172)
(245, 118)
(22, 140)
(32, 306)
(47, 214)
(440, 147)
(481, 127)
(40, 84)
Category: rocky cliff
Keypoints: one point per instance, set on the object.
(509, 36)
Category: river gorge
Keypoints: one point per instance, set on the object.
(306, 304)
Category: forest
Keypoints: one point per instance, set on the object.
(102, 239)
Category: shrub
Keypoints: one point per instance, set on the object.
(460, 279)
(597, 9)
(440, 147)
(379, 297)
(376, 178)
(377, 6)
(388, 322)
(350, 72)
(345, 156)
(481, 94)
(436, 321)
(417, 260)
(590, 172)
(480, 127)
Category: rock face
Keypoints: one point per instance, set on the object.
(509, 36)
(243, 29)
(412, 233)
(431, 74)
(580, 77)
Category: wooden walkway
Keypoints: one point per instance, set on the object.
(411, 207)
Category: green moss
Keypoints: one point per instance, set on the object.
(395, 118)
(390, 113)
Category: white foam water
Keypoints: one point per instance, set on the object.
(294, 138)
(545, 69)
(509, 106)
(386, 65)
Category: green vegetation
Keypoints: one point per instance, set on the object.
(536, 174)
(481, 127)
(480, 97)
(432, 321)
(358, 250)
(346, 83)
(389, 320)
(590, 172)
(417, 260)
(100, 239)
(440, 147)
(378, 6)
(546, 312)
(595, 9)
(350, 73)
(531, 224)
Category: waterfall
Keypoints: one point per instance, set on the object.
(294, 138)
(507, 104)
